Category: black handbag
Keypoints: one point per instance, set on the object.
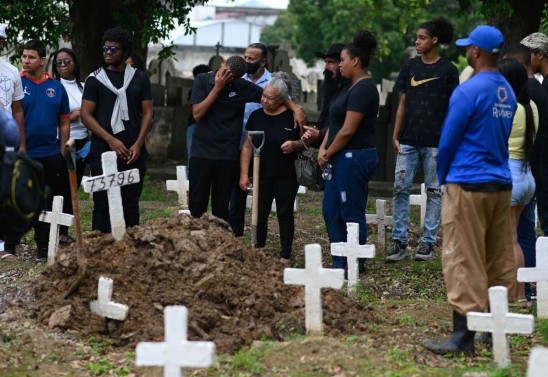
(306, 166)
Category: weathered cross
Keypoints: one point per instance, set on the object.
(499, 322)
(104, 306)
(538, 362)
(180, 186)
(539, 274)
(56, 218)
(314, 277)
(352, 250)
(177, 351)
(420, 200)
(111, 181)
(381, 220)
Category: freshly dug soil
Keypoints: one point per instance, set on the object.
(234, 294)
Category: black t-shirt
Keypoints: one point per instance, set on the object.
(137, 91)
(540, 98)
(363, 98)
(427, 89)
(277, 130)
(217, 135)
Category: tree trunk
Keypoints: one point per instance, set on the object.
(525, 20)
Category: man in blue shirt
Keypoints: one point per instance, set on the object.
(473, 165)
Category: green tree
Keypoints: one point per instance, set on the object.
(83, 22)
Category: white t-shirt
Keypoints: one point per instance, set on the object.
(11, 88)
(77, 130)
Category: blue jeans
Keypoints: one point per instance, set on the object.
(527, 237)
(407, 163)
(346, 196)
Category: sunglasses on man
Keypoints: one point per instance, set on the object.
(111, 49)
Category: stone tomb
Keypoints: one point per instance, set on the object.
(420, 200)
(314, 277)
(104, 306)
(538, 274)
(537, 365)
(177, 351)
(499, 322)
(381, 220)
(352, 250)
(55, 218)
(180, 186)
(112, 180)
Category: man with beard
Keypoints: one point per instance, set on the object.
(255, 57)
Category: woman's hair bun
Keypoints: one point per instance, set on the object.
(365, 40)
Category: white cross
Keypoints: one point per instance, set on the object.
(180, 186)
(249, 201)
(112, 181)
(538, 362)
(381, 220)
(420, 200)
(500, 322)
(352, 250)
(538, 274)
(177, 351)
(314, 277)
(56, 218)
(104, 306)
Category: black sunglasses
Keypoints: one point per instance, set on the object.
(111, 49)
(65, 61)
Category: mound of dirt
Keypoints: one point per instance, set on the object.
(234, 294)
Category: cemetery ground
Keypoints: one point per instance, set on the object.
(236, 297)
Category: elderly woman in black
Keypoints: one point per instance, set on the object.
(277, 177)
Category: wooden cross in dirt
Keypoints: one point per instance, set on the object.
(56, 218)
(111, 181)
(352, 250)
(539, 274)
(177, 351)
(180, 186)
(104, 306)
(499, 322)
(314, 277)
(420, 200)
(381, 220)
(538, 362)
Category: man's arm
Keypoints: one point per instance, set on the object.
(245, 157)
(146, 120)
(18, 115)
(64, 131)
(222, 78)
(298, 113)
(398, 124)
(88, 107)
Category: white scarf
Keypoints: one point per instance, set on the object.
(120, 111)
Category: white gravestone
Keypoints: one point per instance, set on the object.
(177, 351)
(538, 274)
(112, 180)
(55, 218)
(420, 200)
(301, 191)
(381, 220)
(314, 277)
(180, 186)
(537, 365)
(499, 322)
(104, 306)
(352, 250)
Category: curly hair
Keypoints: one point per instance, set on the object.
(74, 60)
(363, 46)
(441, 28)
(121, 36)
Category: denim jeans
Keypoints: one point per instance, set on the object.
(407, 163)
(346, 196)
(527, 237)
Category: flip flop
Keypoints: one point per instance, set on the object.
(4, 255)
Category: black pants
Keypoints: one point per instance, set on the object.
(55, 171)
(130, 195)
(215, 177)
(284, 190)
(236, 213)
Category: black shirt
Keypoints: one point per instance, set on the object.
(540, 98)
(217, 135)
(137, 92)
(277, 130)
(363, 98)
(427, 89)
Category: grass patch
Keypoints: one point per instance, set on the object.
(543, 330)
(154, 214)
(251, 359)
(100, 367)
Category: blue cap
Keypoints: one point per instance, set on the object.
(486, 37)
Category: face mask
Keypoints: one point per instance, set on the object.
(252, 68)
